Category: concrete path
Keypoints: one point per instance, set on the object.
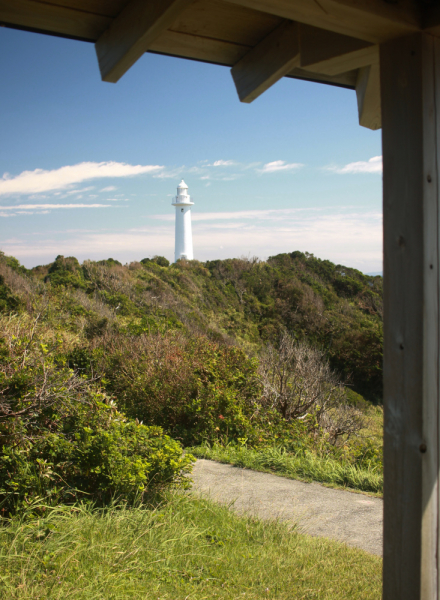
(352, 518)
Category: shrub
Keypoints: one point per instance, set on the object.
(159, 260)
(8, 301)
(62, 439)
(96, 454)
(299, 383)
(65, 271)
(192, 387)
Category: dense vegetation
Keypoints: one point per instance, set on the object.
(240, 300)
(110, 377)
(105, 369)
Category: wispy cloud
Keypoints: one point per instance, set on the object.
(279, 165)
(39, 180)
(374, 165)
(28, 207)
(110, 188)
(222, 163)
(169, 173)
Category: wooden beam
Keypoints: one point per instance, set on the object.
(219, 20)
(58, 20)
(267, 63)
(345, 80)
(375, 21)
(368, 97)
(332, 53)
(173, 43)
(132, 33)
(410, 90)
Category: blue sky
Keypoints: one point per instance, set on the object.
(89, 168)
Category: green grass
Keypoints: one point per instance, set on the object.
(186, 549)
(306, 467)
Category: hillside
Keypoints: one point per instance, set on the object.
(235, 301)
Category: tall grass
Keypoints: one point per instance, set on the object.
(305, 466)
(187, 548)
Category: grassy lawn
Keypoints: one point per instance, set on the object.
(186, 549)
(305, 467)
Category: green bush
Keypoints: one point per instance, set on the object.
(195, 389)
(62, 439)
(159, 260)
(96, 454)
(65, 271)
(8, 301)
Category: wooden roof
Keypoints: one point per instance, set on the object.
(330, 41)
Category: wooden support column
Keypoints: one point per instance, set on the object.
(410, 97)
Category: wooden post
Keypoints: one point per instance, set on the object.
(410, 96)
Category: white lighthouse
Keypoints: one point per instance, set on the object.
(183, 245)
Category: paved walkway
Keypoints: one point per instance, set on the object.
(352, 518)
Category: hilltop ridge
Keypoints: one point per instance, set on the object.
(234, 301)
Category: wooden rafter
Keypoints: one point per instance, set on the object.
(132, 32)
(268, 62)
(332, 53)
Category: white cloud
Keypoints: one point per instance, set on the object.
(279, 165)
(28, 207)
(374, 165)
(39, 180)
(80, 191)
(110, 188)
(222, 163)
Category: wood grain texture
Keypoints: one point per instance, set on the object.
(173, 43)
(332, 53)
(53, 19)
(345, 80)
(368, 97)
(375, 21)
(226, 22)
(267, 63)
(108, 8)
(410, 93)
(132, 33)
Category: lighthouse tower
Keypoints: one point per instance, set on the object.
(183, 245)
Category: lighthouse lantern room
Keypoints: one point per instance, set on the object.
(183, 242)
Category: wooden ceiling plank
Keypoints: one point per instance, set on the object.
(267, 62)
(332, 53)
(58, 20)
(374, 21)
(108, 8)
(173, 43)
(132, 33)
(227, 22)
(368, 97)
